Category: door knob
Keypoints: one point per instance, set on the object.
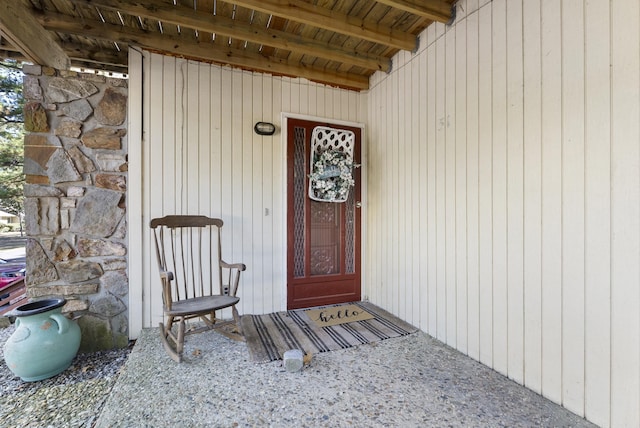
(358, 204)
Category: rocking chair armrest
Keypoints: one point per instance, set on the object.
(239, 266)
(166, 275)
(230, 287)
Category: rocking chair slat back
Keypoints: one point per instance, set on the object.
(189, 257)
(192, 252)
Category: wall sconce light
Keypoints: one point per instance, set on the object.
(264, 128)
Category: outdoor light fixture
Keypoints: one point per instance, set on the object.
(264, 128)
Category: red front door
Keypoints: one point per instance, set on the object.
(323, 238)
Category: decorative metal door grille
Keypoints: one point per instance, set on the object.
(350, 235)
(298, 201)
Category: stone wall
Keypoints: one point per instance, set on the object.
(75, 198)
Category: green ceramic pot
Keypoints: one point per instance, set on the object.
(44, 343)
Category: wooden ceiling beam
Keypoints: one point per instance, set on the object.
(193, 48)
(100, 58)
(435, 10)
(187, 17)
(23, 31)
(327, 19)
(79, 55)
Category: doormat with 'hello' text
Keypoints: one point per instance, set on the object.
(335, 315)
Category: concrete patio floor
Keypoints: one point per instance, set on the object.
(412, 381)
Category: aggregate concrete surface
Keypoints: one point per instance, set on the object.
(411, 381)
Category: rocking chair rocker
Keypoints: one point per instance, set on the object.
(196, 282)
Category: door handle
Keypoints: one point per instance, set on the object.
(358, 204)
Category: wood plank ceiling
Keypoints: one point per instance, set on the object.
(337, 42)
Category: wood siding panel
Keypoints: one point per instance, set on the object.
(423, 194)
(461, 300)
(414, 298)
(138, 242)
(499, 185)
(597, 130)
(573, 202)
(151, 300)
(625, 214)
(472, 223)
(515, 192)
(450, 187)
(431, 236)
(485, 180)
(440, 190)
(551, 200)
(532, 104)
(392, 188)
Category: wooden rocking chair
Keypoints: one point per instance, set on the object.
(196, 282)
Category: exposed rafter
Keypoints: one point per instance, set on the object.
(320, 17)
(83, 56)
(437, 10)
(194, 48)
(187, 17)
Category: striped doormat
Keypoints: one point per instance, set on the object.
(269, 336)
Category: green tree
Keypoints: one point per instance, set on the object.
(11, 99)
(11, 137)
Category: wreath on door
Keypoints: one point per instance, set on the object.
(332, 164)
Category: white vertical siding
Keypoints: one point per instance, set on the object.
(528, 193)
(473, 203)
(134, 193)
(625, 213)
(432, 237)
(552, 128)
(499, 184)
(485, 171)
(597, 213)
(532, 236)
(201, 156)
(515, 191)
(461, 203)
(573, 207)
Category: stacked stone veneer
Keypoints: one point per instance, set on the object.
(75, 162)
